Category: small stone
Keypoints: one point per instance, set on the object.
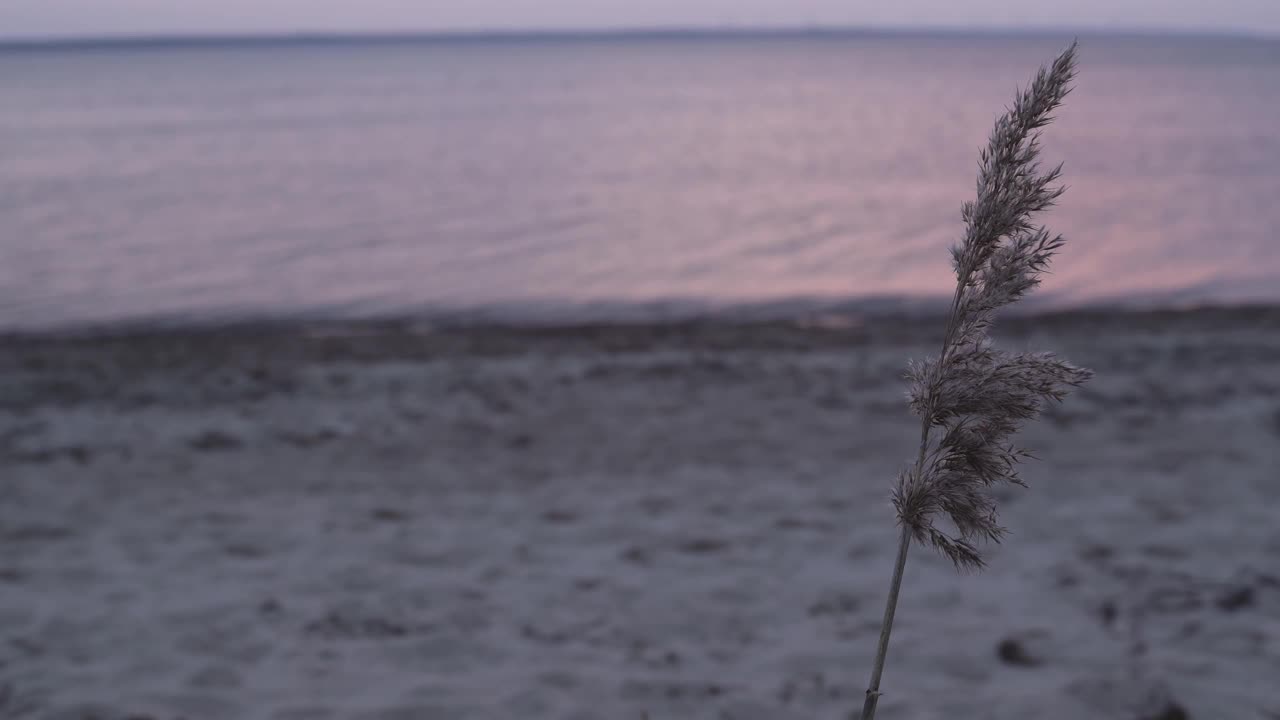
(559, 516)
(387, 515)
(1013, 652)
(215, 441)
(1108, 613)
(1236, 599)
(1097, 553)
(637, 555)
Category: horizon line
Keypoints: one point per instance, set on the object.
(175, 39)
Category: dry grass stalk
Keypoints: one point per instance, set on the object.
(972, 398)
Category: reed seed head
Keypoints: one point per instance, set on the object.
(974, 396)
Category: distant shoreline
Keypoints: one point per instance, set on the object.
(742, 324)
(308, 38)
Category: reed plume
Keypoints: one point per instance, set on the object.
(972, 398)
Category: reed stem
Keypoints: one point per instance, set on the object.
(890, 606)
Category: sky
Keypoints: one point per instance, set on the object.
(59, 18)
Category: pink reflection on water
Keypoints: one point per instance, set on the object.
(377, 179)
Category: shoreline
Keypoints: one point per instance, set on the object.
(644, 320)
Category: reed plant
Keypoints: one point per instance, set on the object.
(972, 398)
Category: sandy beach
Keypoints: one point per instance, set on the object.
(389, 521)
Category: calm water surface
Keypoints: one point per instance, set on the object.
(387, 177)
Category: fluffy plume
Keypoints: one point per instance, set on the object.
(972, 398)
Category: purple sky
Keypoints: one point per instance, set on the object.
(94, 17)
